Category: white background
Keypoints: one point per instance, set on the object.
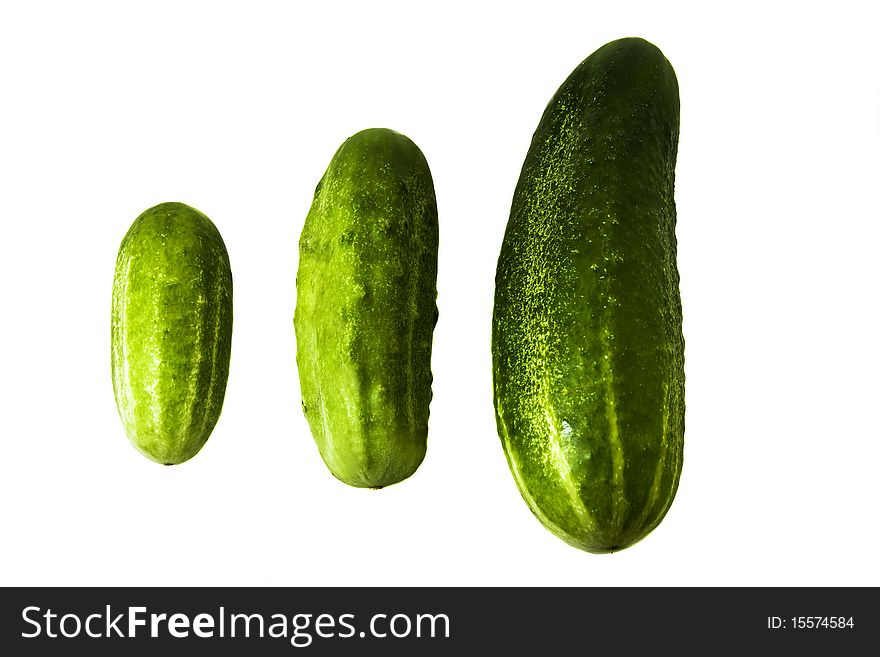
(108, 108)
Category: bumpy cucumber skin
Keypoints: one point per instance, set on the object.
(587, 345)
(366, 309)
(171, 331)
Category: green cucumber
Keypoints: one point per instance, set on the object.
(366, 309)
(587, 346)
(171, 328)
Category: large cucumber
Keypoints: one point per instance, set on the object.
(171, 330)
(366, 309)
(587, 346)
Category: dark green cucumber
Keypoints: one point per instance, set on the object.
(171, 330)
(587, 346)
(366, 309)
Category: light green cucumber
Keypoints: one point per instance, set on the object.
(587, 346)
(171, 329)
(366, 309)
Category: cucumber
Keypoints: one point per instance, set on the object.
(587, 345)
(171, 329)
(366, 309)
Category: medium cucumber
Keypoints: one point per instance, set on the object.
(366, 309)
(171, 330)
(587, 346)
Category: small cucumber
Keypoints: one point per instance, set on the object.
(171, 328)
(587, 346)
(366, 309)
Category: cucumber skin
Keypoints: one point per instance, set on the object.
(366, 309)
(587, 346)
(171, 331)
